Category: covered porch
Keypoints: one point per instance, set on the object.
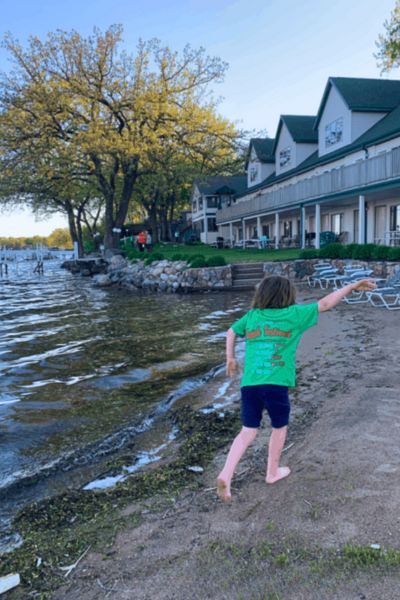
(373, 217)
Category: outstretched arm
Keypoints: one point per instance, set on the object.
(231, 363)
(334, 298)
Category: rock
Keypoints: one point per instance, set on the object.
(8, 582)
(102, 280)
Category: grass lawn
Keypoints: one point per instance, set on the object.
(231, 255)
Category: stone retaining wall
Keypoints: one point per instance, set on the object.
(163, 276)
(300, 269)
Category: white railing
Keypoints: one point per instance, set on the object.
(343, 179)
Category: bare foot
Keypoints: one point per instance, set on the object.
(224, 490)
(280, 474)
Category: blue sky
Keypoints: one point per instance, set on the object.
(280, 52)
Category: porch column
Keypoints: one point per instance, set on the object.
(259, 230)
(317, 225)
(205, 229)
(231, 233)
(303, 226)
(361, 219)
(276, 231)
(243, 232)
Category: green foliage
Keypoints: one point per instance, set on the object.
(380, 252)
(363, 251)
(175, 257)
(216, 261)
(153, 257)
(309, 253)
(195, 257)
(394, 254)
(388, 45)
(330, 251)
(198, 263)
(347, 250)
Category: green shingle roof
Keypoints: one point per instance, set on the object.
(301, 128)
(263, 148)
(222, 184)
(387, 128)
(363, 95)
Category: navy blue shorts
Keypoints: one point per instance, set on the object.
(274, 398)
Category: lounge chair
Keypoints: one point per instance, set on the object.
(387, 296)
(321, 274)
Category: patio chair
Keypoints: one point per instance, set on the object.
(318, 268)
(356, 297)
(323, 277)
(387, 296)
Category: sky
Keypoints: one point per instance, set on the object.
(280, 52)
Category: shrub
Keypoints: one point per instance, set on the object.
(195, 257)
(216, 261)
(394, 254)
(346, 250)
(198, 263)
(176, 257)
(330, 251)
(309, 253)
(380, 252)
(363, 251)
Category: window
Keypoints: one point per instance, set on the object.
(285, 157)
(287, 229)
(212, 202)
(337, 223)
(212, 224)
(265, 230)
(253, 173)
(201, 204)
(334, 132)
(395, 218)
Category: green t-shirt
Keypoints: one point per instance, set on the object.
(272, 336)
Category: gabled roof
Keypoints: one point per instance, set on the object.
(301, 128)
(263, 147)
(385, 129)
(222, 184)
(363, 95)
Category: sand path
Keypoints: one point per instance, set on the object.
(344, 453)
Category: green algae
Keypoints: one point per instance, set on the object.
(58, 530)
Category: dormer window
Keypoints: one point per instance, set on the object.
(285, 157)
(253, 173)
(333, 132)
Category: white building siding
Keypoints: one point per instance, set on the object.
(361, 122)
(303, 151)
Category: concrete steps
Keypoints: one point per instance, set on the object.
(246, 276)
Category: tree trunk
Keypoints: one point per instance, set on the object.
(72, 229)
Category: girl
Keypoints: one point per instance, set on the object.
(273, 328)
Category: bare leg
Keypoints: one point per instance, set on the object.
(276, 443)
(239, 446)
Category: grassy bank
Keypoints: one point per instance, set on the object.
(56, 531)
(231, 255)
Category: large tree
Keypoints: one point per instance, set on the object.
(388, 44)
(106, 113)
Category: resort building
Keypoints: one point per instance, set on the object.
(208, 196)
(334, 175)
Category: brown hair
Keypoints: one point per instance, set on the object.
(274, 291)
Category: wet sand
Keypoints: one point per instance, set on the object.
(302, 538)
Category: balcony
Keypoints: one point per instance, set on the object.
(362, 174)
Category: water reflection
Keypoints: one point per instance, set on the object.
(85, 370)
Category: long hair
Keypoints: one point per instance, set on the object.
(274, 291)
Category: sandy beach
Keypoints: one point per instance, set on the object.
(308, 537)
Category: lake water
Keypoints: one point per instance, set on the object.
(89, 374)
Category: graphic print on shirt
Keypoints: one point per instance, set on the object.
(267, 342)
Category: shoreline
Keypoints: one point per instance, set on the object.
(181, 507)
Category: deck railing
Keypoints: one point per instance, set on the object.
(361, 174)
